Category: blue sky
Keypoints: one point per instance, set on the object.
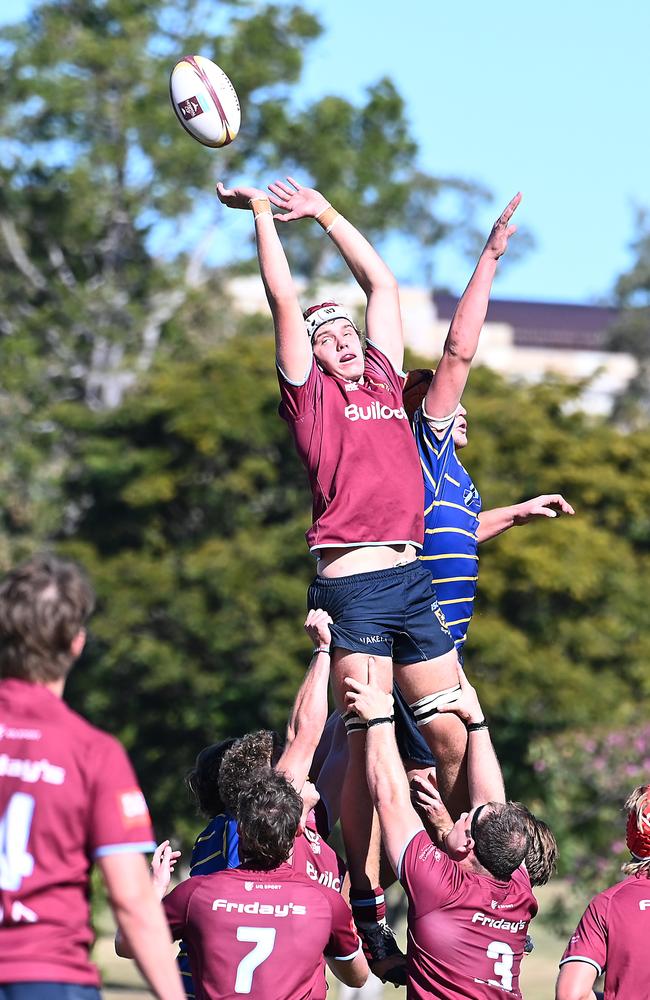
(547, 98)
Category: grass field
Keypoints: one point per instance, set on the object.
(539, 970)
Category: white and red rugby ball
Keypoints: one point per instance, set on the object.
(205, 101)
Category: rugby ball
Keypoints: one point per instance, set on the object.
(204, 101)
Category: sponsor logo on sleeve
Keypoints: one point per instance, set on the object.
(314, 840)
(133, 808)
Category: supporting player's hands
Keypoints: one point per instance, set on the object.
(497, 241)
(238, 197)
(298, 202)
(547, 505)
(369, 701)
(317, 627)
(466, 706)
(432, 810)
(162, 866)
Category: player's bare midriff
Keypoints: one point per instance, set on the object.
(363, 559)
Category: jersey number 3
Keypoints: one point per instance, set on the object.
(16, 863)
(264, 939)
(503, 958)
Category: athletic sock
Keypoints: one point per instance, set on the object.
(368, 905)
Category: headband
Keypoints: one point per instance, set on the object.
(326, 312)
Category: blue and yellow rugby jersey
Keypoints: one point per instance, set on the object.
(451, 508)
(215, 848)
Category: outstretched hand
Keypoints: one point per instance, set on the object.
(369, 700)
(547, 505)
(238, 197)
(162, 866)
(297, 201)
(466, 706)
(497, 241)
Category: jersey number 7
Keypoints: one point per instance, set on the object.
(264, 938)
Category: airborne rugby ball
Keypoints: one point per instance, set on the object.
(204, 101)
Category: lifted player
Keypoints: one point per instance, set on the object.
(613, 934)
(470, 896)
(455, 525)
(68, 798)
(262, 929)
(342, 399)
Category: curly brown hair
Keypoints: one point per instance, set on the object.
(268, 814)
(242, 759)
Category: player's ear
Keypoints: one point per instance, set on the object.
(78, 643)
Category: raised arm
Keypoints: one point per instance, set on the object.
(387, 781)
(494, 522)
(460, 347)
(292, 347)
(484, 777)
(309, 712)
(383, 317)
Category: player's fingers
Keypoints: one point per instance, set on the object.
(547, 512)
(510, 207)
(278, 193)
(353, 685)
(511, 230)
(287, 190)
(294, 183)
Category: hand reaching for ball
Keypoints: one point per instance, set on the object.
(238, 197)
(299, 202)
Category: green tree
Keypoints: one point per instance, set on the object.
(632, 331)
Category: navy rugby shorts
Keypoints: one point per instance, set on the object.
(389, 612)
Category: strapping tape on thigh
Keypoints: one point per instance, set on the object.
(353, 724)
(425, 708)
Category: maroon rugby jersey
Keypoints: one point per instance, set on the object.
(261, 934)
(614, 937)
(68, 795)
(466, 931)
(357, 446)
(317, 859)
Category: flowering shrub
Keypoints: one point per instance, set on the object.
(586, 777)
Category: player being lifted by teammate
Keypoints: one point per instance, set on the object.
(469, 891)
(342, 398)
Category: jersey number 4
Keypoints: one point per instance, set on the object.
(16, 863)
(264, 939)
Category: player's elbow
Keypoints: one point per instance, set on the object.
(459, 349)
(353, 973)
